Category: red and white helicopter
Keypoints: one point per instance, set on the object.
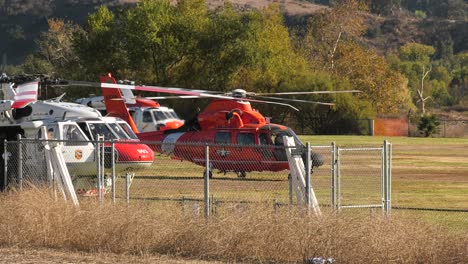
(243, 139)
(77, 125)
(147, 114)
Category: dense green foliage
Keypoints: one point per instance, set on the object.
(188, 45)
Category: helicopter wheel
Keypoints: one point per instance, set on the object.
(210, 174)
(241, 174)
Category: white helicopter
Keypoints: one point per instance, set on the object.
(147, 114)
(77, 125)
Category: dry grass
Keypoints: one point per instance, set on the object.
(34, 219)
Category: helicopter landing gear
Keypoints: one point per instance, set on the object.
(241, 174)
(210, 174)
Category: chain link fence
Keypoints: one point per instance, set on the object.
(341, 177)
(237, 173)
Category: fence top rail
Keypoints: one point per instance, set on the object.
(210, 144)
(320, 146)
(159, 143)
(40, 140)
(362, 206)
(358, 149)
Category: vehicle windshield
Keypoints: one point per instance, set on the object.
(127, 130)
(119, 131)
(101, 129)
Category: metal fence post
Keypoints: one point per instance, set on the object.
(290, 189)
(338, 178)
(207, 181)
(98, 164)
(103, 161)
(20, 163)
(384, 179)
(382, 176)
(333, 183)
(127, 187)
(307, 175)
(113, 171)
(5, 163)
(389, 176)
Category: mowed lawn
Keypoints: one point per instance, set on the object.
(427, 172)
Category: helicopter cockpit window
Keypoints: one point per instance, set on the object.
(73, 135)
(278, 139)
(223, 138)
(245, 139)
(173, 114)
(128, 130)
(118, 130)
(159, 115)
(263, 139)
(147, 118)
(101, 129)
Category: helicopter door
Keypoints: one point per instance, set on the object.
(148, 122)
(77, 150)
(265, 145)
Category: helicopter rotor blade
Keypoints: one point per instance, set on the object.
(265, 102)
(296, 100)
(197, 93)
(187, 93)
(172, 97)
(160, 97)
(311, 92)
(157, 89)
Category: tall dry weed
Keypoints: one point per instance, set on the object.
(249, 234)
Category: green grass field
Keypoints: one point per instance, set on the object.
(375, 140)
(427, 173)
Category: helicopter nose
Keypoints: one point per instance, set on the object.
(317, 159)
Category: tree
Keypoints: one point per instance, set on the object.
(333, 40)
(415, 63)
(339, 119)
(100, 46)
(459, 84)
(330, 28)
(384, 88)
(56, 46)
(428, 125)
(385, 7)
(271, 62)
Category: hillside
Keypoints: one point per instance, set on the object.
(22, 21)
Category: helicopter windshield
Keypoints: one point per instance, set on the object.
(127, 130)
(162, 114)
(159, 115)
(119, 131)
(173, 114)
(101, 129)
(277, 134)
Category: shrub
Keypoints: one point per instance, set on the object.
(420, 14)
(428, 125)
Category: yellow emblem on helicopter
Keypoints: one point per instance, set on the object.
(78, 154)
